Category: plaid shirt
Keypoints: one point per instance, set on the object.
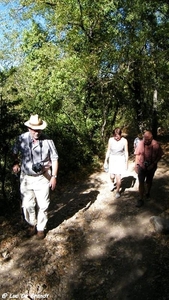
(44, 152)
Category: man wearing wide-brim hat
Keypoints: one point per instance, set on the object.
(38, 167)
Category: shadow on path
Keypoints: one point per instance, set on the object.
(66, 204)
(127, 182)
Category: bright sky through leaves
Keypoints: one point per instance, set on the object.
(11, 29)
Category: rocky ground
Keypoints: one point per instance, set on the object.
(96, 247)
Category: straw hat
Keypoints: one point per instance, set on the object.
(35, 123)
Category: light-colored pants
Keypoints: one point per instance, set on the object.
(35, 199)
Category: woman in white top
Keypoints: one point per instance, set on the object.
(117, 154)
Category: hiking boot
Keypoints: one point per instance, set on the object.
(148, 195)
(140, 203)
(40, 235)
(31, 231)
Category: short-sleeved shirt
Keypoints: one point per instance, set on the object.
(43, 151)
(149, 153)
(136, 141)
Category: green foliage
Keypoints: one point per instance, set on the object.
(9, 119)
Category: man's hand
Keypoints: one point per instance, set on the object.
(52, 183)
(16, 168)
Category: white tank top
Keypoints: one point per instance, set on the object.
(117, 147)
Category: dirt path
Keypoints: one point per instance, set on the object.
(97, 247)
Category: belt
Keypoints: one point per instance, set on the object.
(36, 174)
(33, 175)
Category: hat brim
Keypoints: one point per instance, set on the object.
(36, 127)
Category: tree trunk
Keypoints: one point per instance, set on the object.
(154, 116)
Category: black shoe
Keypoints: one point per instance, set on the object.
(40, 235)
(140, 203)
(148, 195)
(31, 231)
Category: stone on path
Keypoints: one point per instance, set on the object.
(161, 225)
